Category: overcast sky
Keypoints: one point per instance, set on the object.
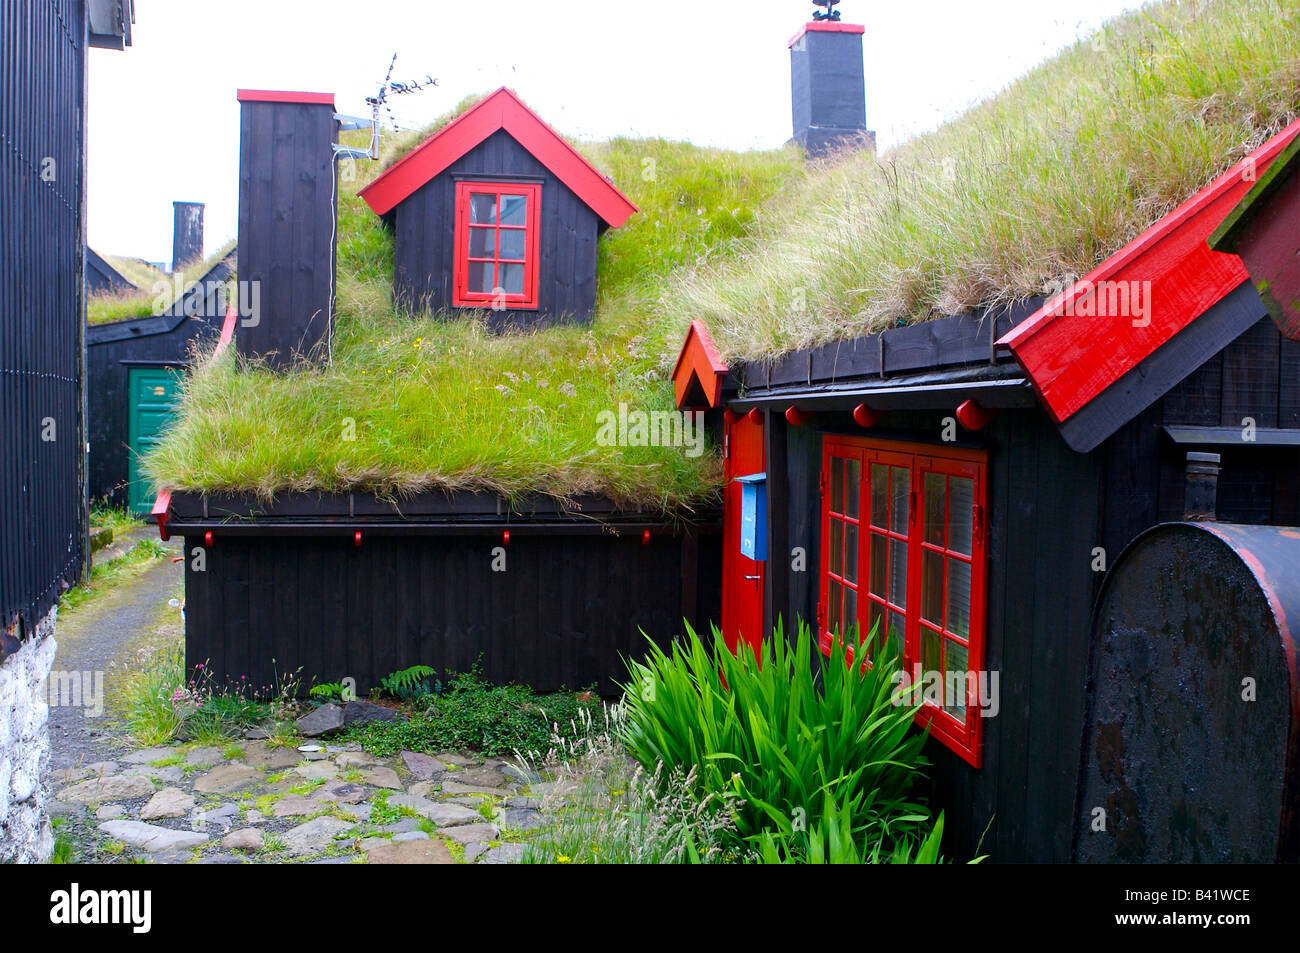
(164, 122)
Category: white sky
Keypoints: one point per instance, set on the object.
(164, 122)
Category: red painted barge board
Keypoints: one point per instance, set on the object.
(1070, 358)
(502, 110)
(699, 359)
(284, 96)
(826, 26)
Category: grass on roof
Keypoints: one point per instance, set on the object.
(1045, 180)
(155, 290)
(440, 402)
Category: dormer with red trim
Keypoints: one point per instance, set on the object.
(496, 212)
(699, 371)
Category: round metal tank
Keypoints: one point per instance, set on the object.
(1192, 734)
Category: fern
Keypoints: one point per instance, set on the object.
(329, 690)
(408, 682)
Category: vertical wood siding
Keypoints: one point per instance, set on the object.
(565, 613)
(424, 234)
(42, 509)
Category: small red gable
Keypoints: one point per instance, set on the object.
(699, 370)
(501, 110)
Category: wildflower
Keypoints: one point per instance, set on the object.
(563, 859)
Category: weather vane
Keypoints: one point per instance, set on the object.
(830, 14)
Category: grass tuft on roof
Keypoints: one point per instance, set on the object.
(155, 290)
(437, 401)
(1044, 180)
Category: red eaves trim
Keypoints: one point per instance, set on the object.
(826, 26)
(699, 359)
(501, 110)
(227, 330)
(1071, 358)
(283, 96)
(162, 504)
(161, 509)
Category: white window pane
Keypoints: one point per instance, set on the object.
(958, 597)
(482, 243)
(514, 210)
(960, 514)
(512, 279)
(481, 277)
(513, 242)
(483, 208)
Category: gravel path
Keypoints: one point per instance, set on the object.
(91, 639)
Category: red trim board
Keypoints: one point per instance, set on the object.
(284, 96)
(1071, 354)
(502, 110)
(826, 26)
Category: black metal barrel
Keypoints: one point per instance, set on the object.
(1192, 738)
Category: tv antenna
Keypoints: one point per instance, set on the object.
(389, 88)
(831, 13)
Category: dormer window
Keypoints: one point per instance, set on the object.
(496, 245)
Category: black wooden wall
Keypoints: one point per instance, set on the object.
(287, 205)
(42, 318)
(168, 339)
(424, 235)
(565, 612)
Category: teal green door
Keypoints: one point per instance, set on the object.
(153, 394)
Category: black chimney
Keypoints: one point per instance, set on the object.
(287, 220)
(187, 233)
(828, 93)
(1200, 498)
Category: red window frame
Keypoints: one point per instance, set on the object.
(462, 296)
(925, 540)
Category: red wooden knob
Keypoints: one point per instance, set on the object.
(864, 416)
(795, 416)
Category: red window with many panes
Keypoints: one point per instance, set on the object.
(903, 556)
(496, 245)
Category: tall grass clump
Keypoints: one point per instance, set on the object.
(440, 402)
(604, 808)
(1043, 180)
(793, 739)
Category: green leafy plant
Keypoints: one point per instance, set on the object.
(408, 683)
(832, 841)
(327, 691)
(786, 732)
(472, 714)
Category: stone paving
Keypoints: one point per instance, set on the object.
(251, 802)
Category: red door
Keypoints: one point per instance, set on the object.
(742, 577)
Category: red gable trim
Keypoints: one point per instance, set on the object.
(501, 110)
(698, 360)
(1072, 356)
(284, 96)
(826, 26)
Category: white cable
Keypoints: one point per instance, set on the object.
(334, 228)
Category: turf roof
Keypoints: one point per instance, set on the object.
(1044, 180)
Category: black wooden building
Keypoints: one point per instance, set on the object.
(351, 585)
(496, 212)
(126, 364)
(102, 277)
(43, 49)
(972, 480)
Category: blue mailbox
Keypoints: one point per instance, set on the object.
(753, 516)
